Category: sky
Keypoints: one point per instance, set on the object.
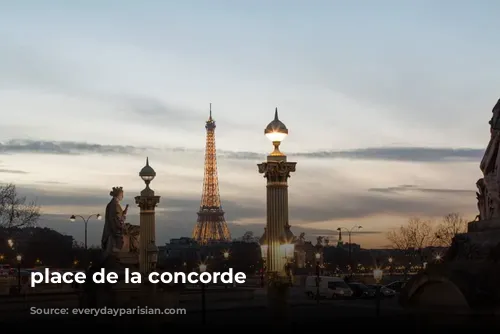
(387, 105)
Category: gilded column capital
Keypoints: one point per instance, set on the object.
(147, 203)
(277, 171)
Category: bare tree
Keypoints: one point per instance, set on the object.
(249, 237)
(451, 225)
(416, 234)
(15, 210)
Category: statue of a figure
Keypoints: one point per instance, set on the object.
(482, 199)
(489, 186)
(319, 240)
(112, 234)
(302, 238)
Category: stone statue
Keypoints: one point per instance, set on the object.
(319, 240)
(131, 238)
(488, 196)
(112, 234)
(302, 238)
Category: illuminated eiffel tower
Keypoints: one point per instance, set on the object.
(211, 226)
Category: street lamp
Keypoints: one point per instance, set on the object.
(276, 169)
(318, 257)
(226, 257)
(10, 242)
(390, 265)
(377, 275)
(19, 258)
(203, 268)
(349, 232)
(438, 257)
(86, 221)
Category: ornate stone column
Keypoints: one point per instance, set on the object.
(147, 202)
(277, 171)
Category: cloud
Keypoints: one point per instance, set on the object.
(12, 171)
(411, 154)
(65, 147)
(176, 215)
(409, 187)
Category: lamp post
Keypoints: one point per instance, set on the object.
(10, 242)
(390, 266)
(318, 257)
(349, 232)
(377, 275)
(147, 202)
(226, 257)
(203, 268)
(276, 170)
(85, 221)
(19, 258)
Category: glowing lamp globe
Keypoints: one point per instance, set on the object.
(226, 255)
(287, 249)
(19, 258)
(99, 217)
(377, 274)
(276, 132)
(203, 268)
(317, 256)
(263, 251)
(72, 218)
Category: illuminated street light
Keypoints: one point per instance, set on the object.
(86, 221)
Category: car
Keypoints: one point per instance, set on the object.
(6, 270)
(384, 291)
(396, 286)
(328, 287)
(361, 291)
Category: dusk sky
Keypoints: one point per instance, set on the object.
(387, 104)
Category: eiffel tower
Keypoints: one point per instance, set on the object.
(211, 225)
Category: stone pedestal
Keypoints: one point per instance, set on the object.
(277, 301)
(467, 280)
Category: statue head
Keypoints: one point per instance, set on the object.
(117, 192)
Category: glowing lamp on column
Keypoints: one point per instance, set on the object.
(276, 132)
(263, 245)
(377, 275)
(203, 267)
(317, 256)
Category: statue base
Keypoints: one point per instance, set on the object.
(466, 281)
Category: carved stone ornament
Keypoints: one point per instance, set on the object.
(147, 202)
(277, 171)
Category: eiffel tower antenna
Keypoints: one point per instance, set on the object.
(211, 225)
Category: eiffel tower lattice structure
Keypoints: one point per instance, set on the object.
(211, 225)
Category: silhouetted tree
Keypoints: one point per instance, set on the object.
(451, 225)
(15, 210)
(416, 234)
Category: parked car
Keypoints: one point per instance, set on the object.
(6, 270)
(396, 286)
(329, 287)
(385, 292)
(361, 291)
